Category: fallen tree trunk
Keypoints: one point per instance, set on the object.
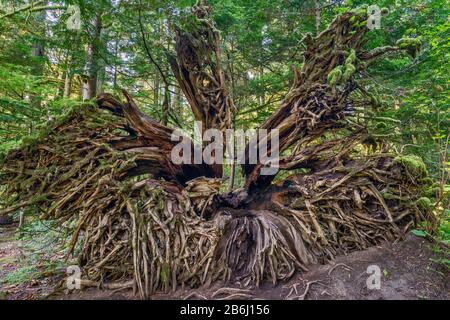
(140, 217)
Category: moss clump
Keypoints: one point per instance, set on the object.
(389, 196)
(424, 203)
(335, 76)
(362, 24)
(411, 45)
(351, 57)
(413, 164)
(431, 192)
(427, 181)
(349, 71)
(343, 73)
(30, 141)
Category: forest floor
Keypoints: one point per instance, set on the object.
(409, 270)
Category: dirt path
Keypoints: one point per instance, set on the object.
(407, 270)
(21, 277)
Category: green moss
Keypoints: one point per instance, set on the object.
(424, 203)
(362, 24)
(427, 181)
(388, 196)
(375, 101)
(431, 192)
(165, 273)
(343, 73)
(413, 164)
(411, 45)
(406, 42)
(381, 126)
(30, 141)
(361, 11)
(349, 71)
(351, 57)
(335, 76)
(22, 275)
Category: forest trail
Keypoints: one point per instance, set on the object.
(21, 277)
(408, 271)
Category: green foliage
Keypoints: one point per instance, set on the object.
(444, 227)
(419, 233)
(22, 274)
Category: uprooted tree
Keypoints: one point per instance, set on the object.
(147, 223)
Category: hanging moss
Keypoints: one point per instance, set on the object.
(413, 164)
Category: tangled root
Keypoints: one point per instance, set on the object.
(151, 234)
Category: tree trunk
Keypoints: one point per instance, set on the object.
(94, 57)
(166, 105)
(68, 84)
(317, 13)
(38, 53)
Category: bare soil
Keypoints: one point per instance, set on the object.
(408, 271)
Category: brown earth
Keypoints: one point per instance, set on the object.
(408, 271)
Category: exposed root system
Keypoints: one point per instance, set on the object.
(143, 221)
